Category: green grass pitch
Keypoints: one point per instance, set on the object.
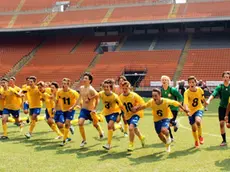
(43, 153)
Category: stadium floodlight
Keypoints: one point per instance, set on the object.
(180, 1)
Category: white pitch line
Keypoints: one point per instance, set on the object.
(187, 128)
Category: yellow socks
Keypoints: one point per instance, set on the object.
(117, 126)
(4, 127)
(74, 122)
(82, 131)
(40, 118)
(23, 119)
(199, 130)
(55, 129)
(110, 135)
(10, 119)
(99, 129)
(195, 135)
(126, 126)
(32, 125)
(66, 133)
(62, 130)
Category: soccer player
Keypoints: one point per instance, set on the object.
(171, 93)
(50, 105)
(2, 101)
(162, 114)
(223, 90)
(88, 108)
(111, 110)
(34, 100)
(67, 98)
(227, 114)
(130, 100)
(193, 98)
(12, 105)
(25, 99)
(118, 91)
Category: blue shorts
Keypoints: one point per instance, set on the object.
(164, 123)
(84, 113)
(59, 117)
(25, 106)
(14, 113)
(192, 119)
(69, 115)
(35, 111)
(133, 120)
(111, 117)
(48, 115)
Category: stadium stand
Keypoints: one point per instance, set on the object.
(204, 9)
(210, 40)
(170, 41)
(206, 64)
(13, 49)
(138, 42)
(5, 21)
(111, 2)
(156, 63)
(8, 5)
(29, 20)
(156, 12)
(31, 5)
(79, 17)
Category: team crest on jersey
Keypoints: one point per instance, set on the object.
(169, 95)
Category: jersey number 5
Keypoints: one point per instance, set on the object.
(66, 101)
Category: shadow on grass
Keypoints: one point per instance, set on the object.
(217, 147)
(114, 155)
(185, 152)
(147, 158)
(224, 164)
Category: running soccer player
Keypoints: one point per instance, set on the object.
(111, 110)
(67, 98)
(130, 100)
(223, 90)
(89, 98)
(193, 98)
(2, 101)
(12, 105)
(50, 105)
(162, 115)
(171, 93)
(25, 99)
(118, 91)
(34, 100)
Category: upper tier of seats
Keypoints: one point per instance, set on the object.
(106, 13)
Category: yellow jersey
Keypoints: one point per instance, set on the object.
(111, 103)
(67, 98)
(129, 101)
(25, 97)
(11, 99)
(18, 89)
(161, 111)
(34, 97)
(48, 90)
(229, 100)
(194, 100)
(49, 101)
(2, 101)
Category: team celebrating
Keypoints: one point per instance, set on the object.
(120, 103)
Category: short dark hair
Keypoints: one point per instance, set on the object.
(41, 83)
(5, 79)
(192, 78)
(89, 76)
(225, 72)
(13, 78)
(55, 84)
(34, 78)
(27, 78)
(157, 90)
(126, 83)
